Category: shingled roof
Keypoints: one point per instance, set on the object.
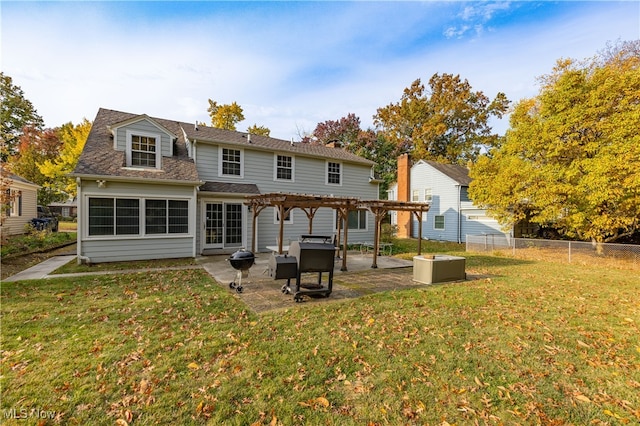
(100, 159)
(230, 137)
(459, 174)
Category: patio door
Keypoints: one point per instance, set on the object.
(223, 225)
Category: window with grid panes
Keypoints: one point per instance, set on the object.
(284, 167)
(143, 151)
(333, 173)
(231, 162)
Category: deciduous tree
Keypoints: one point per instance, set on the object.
(368, 144)
(447, 123)
(259, 130)
(225, 116)
(37, 146)
(16, 112)
(572, 155)
(57, 170)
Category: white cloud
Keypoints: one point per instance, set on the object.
(289, 65)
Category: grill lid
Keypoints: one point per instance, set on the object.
(242, 259)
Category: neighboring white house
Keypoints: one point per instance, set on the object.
(152, 188)
(452, 215)
(23, 206)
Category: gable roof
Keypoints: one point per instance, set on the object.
(258, 142)
(457, 173)
(16, 178)
(98, 157)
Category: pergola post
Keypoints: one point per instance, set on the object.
(419, 217)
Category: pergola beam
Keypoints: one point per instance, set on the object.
(285, 202)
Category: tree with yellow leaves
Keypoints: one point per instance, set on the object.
(571, 158)
(73, 138)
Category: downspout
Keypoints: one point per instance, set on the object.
(80, 221)
(459, 214)
(194, 221)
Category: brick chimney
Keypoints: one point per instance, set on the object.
(404, 194)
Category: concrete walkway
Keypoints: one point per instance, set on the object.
(41, 270)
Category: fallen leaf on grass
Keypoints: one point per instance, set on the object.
(582, 398)
(315, 402)
(193, 366)
(583, 344)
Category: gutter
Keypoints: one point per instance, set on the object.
(127, 179)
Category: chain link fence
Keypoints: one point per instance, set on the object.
(621, 255)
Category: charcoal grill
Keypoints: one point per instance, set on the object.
(313, 253)
(241, 260)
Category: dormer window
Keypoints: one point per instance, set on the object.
(143, 150)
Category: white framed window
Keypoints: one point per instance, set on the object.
(334, 173)
(415, 195)
(110, 216)
(14, 206)
(288, 219)
(438, 222)
(428, 195)
(283, 167)
(166, 216)
(230, 162)
(464, 194)
(356, 220)
(143, 150)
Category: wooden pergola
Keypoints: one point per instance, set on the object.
(285, 202)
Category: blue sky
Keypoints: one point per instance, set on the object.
(290, 65)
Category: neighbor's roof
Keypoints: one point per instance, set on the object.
(16, 178)
(459, 174)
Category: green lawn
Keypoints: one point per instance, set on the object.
(529, 343)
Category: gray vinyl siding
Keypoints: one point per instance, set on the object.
(123, 249)
(144, 126)
(15, 225)
(140, 247)
(444, 202)
(444, 190)
(476, 222)
(309, 178)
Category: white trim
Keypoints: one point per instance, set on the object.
(352, 230)
(326, 173)
(141, 218)
(275, 167)
(202, 225)
(220, 152)
(128, 150)
(428, 194)
(286, 221)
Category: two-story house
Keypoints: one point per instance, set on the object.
(452, 215)
(151, 188)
